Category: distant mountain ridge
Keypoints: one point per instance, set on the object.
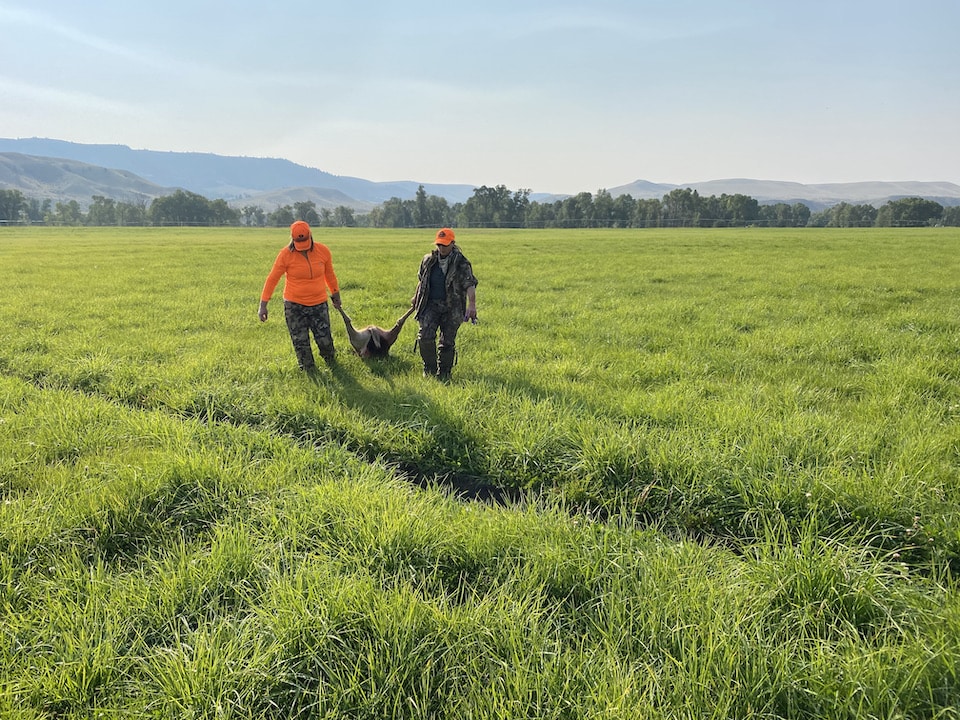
(226, 177)
(61, 170)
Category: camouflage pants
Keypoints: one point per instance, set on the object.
(301, 321)
(436, 316)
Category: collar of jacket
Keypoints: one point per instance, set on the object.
(453, 253)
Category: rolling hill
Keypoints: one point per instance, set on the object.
(240, 180)
(59, 170)
(62, 180)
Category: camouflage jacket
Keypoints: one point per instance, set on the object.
(459, 278)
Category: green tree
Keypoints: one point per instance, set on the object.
(784, 215)
(222, 214)
(540, 215)
(102, 211)
(421, 210)
(182, 208)
(68, 213)
(622, 211)
(343, 216)
(603, 208)
(38, 210)
(951, 216)
(648, 213)
(909, 212)
(132, 213)
(306, 210)
(820, 218)
(801, 214)
(395, 213)
(576, 211)
(846, 215)
(282, 216)
(712, 212)
(253, 215)
(739, 209)
(12, 205)
(438, 212)
(495, 207)
(519, 205)
(777, 215)
(487, 207)
(681, 207)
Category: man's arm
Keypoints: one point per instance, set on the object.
(471, 314)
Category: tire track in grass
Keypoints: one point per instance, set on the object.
(904, 544)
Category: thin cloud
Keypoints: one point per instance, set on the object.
(32, 20)
(138, 55)
(65, 98)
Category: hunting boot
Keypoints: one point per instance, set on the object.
(447, 358)
(428, 353)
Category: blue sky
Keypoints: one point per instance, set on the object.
(551, 96)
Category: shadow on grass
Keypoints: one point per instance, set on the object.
(449, 442)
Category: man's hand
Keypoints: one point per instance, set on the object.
(471, 314)
(262, 313)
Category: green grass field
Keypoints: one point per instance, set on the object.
(732, 459)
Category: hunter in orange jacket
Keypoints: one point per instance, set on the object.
(308, 268)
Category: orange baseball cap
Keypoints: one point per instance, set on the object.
(300, 231)
(301, 235)
(445, 236)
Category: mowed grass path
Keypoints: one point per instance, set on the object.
(742, 450)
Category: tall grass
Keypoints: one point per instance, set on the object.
(741, 450)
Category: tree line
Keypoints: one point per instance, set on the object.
(496, 207)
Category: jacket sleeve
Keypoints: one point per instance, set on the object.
(419, 296)
(467, 278)
(329, 274)
(276, 272)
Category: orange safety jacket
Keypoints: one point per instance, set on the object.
(309, 274)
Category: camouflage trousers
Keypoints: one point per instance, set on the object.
(438, 360)
(301, 321)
